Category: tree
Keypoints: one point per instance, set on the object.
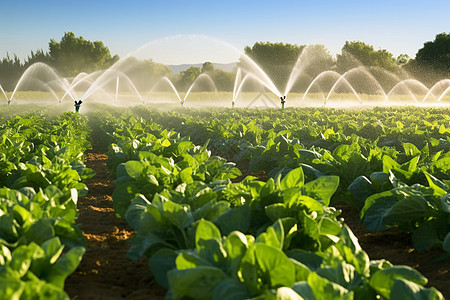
(432, 61)
(357, 53)
(10, 71)
(275, 59)
(207, 67)
(187, 77)
(74, 55)
(403, 59)
(38, 56)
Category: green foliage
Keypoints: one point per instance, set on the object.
(358, 53)
(41, 174)
(73, 55)
(209, 235)
(187, 77)
(432, 62)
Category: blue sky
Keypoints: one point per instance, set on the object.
(123, 26)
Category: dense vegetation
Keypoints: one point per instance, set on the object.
(41, 170)
(278, 235)
(230, 204)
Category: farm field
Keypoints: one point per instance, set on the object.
(344, 203)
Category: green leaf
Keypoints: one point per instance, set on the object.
(309, 259)
(325, 289)
(321, 188)
(185, 175)
(438, 186)
(52, 249)
(236, 218)
(441, 166)
(360, 188)
(21, 260)
(343, 274)
(301, 270)
(411, 149)
(231, 289)
(375, 208)
(271, 238)
(40, 231)
(161, 262)
(405, 289)
(134, 168)
(64, 266)
(425, 237)
(304, 290)
(403, 211)
(189, 259)
(208, 242)
(177, 214)
(383, 280)
(206, 230)
(11, 288)
(294, 178)
(143, 242)
(276, 266)
(196, 283)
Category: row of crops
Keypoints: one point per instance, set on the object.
(209, 231)
(41, 174)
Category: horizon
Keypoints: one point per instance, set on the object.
(400, 27)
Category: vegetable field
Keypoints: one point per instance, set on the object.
(305, 203)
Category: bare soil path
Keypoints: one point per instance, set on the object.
(105, 272)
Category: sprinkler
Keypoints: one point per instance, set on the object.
(283, 100)
(232, 104)
(77, 105)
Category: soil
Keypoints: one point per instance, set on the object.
(106, 273)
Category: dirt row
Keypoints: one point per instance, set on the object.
(106, 273)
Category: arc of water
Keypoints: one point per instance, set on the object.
(342, 78)
(52, 92)
(447, 90)
(296, 70)
(31, 69)
(165, 79)
(318, 77)
(201, 76)
(261, 75)
(435, 86)
(4, 93)
(405, 84)
(236, 80)
(371, 77)
(117, 87)
(103, 79)
(80, 78)
(58, 83)
(247, 77)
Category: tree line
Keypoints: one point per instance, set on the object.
(73, 55)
